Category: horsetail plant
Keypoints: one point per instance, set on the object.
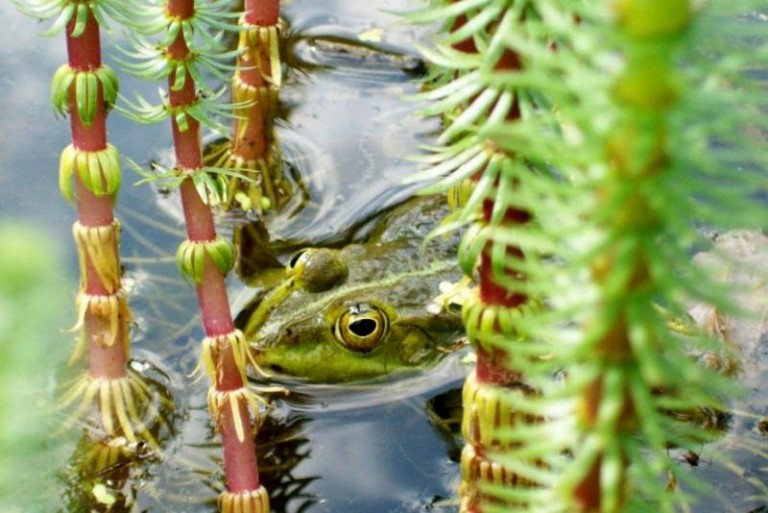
(613, 160)
(85, 89)
(253, 150)
(486, 183)
(649, 174)
(205, 258)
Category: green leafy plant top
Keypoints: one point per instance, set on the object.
(618, 155)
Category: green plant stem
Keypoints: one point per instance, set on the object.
(638, 154)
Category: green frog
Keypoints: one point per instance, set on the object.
(364, 310)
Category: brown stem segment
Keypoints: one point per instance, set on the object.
(105, 361)
(252, 130)
(254, 150)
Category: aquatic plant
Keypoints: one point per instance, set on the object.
(593, 159)
(488, 185)
(185, 47)
(85, 89)
(253, 150)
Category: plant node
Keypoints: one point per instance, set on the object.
(214, 347)
(249, 501)
(238, 401)
(113, 307)
(86, 91)
(190, 257)
(98, 170)
(98, 245)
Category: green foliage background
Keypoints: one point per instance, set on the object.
(34, 306)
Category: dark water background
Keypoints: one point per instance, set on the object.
(347, 128)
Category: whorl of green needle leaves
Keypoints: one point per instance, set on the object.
(64, 11)
(148, 57)
(86, 91)
(211, 182)
(636, 126)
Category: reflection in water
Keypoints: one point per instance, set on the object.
(369, 446)
(282, 446)
(105, 473)
(349, 58)
(445, 412)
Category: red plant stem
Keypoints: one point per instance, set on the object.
(239, 456)
(491, 367)
(84, 54)
(211, 292)
(263, 13)
(105, 362)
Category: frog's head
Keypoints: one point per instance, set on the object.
(349, 340)
(326, 328)
(361, 311)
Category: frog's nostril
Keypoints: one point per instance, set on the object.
(317, 269)
(295, 258)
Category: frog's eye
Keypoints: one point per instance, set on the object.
(362, 327)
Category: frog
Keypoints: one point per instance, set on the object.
(364, 310)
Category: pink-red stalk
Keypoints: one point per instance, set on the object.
(239, 454)
(104, 361)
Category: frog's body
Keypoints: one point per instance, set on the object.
(367, 313)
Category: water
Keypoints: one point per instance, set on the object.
(347, 128)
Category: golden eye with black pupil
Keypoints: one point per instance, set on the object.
(361, 328)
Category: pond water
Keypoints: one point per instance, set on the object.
(347, 127)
